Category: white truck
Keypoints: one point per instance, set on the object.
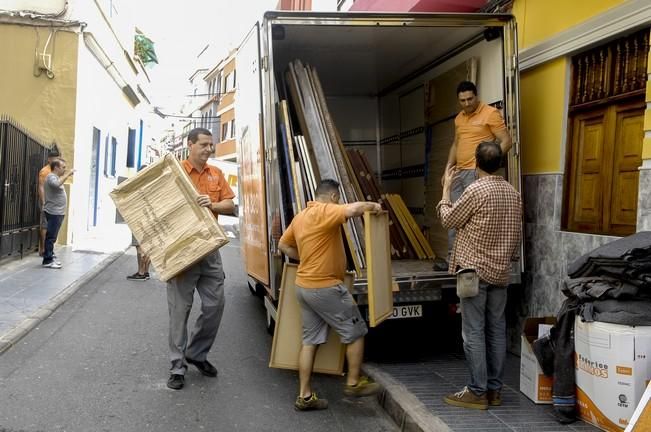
(390, 84)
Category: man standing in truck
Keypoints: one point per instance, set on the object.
(206, 276)
(476, 123)
(314, 239)
(488, 217)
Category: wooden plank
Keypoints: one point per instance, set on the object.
(405, 226)
(378, 261)
(297, 99)
(415, 228)
(284, 118)
(287, 338)
(159, 206)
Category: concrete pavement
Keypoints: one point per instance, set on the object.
(99, 363)
(29, 293)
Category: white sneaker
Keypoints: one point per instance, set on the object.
(53, 265)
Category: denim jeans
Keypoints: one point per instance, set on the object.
(53, 225)
(462, 180)
(483, 328)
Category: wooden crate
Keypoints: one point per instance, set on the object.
(159, 206)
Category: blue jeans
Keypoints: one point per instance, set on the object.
(483, 328)
(53, 225)
(462, 180)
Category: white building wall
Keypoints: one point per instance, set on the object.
(102, 104)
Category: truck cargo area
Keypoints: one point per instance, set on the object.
(390, 86)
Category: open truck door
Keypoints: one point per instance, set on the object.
(254, 237)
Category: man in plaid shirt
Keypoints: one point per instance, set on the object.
(488, 220)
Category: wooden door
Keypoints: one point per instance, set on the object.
(606, 149)
(587, 174)
(628, 134)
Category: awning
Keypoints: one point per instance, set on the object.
(418, 5)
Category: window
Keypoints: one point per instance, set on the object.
(106, 156)
(232, 129)
(605, 140)
(131, 149)
(114, 152)
(225, 131)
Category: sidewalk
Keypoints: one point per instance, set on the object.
(29, 293)
(414, 394)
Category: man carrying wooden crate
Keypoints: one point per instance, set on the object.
(314, 239)
(488, 220)
(206, 276)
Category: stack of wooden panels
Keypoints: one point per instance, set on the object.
(318, 153)
(407, 240)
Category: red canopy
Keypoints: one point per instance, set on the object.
(418, 5)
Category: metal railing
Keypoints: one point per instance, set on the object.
(21, 158)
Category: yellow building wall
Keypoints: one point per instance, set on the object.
(540, 19)
(542, 97)
(43, 106)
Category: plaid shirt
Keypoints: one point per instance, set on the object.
(488, 220)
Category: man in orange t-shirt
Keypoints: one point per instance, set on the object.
(314, 239)
(476, 123)
(42, 175)
(206, 276)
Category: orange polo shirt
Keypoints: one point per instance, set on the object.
(210, 181)
(473, 129)
(43, 173)
(316, 233)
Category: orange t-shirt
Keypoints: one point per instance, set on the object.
(474, 129)
(316, 233)
(43, 173)
(210, 181)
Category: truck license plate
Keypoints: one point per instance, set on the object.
(407, 311)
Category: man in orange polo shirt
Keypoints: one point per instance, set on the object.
(206, 276)
(476, 123)
(314, 239)
(42, 175)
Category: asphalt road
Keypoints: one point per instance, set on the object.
(99, 363)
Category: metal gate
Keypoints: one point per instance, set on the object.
(21, 158)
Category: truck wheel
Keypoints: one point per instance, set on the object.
(271, 324)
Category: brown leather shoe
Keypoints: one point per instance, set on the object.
(467, 399)
(494, 397)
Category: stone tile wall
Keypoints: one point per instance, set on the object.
(548, 250)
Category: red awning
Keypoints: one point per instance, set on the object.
(418, 5)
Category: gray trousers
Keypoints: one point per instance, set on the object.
(207, 277)
(461, 181)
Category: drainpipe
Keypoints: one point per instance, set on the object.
(109, 66)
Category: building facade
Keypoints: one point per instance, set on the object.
(585, 133)
(85, 90)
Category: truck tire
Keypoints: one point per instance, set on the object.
(271, 324)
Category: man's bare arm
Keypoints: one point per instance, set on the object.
(452, 157)
(226, 207)
(505, 140)
(358, 208)
(288, 250)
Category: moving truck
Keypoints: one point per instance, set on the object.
(390, 85)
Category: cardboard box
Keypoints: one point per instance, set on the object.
(533, 382)
(613, 367)
(641, 420)
(159, 206)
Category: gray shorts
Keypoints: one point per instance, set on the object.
(334, 307)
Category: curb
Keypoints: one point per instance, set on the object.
(409, 413)
(12, 337)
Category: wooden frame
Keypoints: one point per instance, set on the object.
(379, 273)
(288, 332)
(159, 206)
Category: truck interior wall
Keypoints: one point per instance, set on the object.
(403, 110)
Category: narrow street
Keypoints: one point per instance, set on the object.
(99, 363)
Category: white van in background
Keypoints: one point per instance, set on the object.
(230, 170)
